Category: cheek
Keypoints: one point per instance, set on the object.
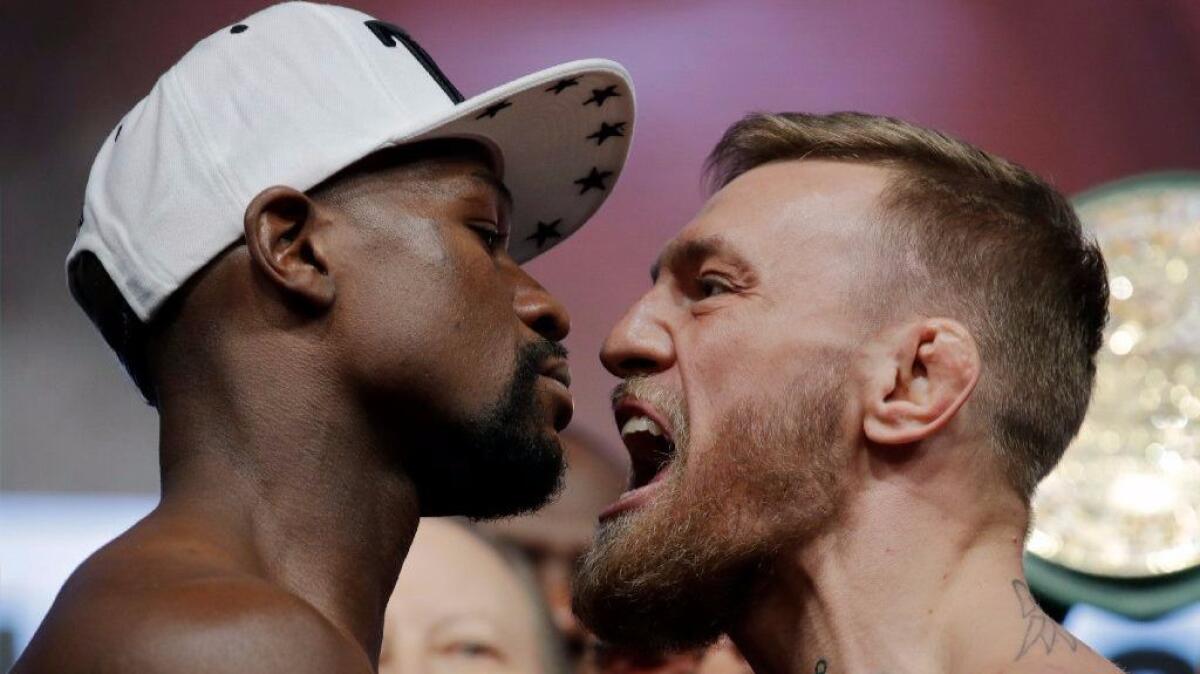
(729, 371)
(441, 329)
(724, 363)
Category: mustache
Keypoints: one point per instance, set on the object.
(529, 361)
(533, 354)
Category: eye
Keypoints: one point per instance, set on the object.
(711, 286)
(489, 234)
(474, 649)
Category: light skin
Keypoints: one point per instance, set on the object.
(303, 372)
(459, 608)
(902, 552)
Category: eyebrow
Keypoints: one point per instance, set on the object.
(694, 250)
(497, 185)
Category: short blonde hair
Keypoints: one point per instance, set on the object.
(997, 247)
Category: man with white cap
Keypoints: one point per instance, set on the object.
(299, 246)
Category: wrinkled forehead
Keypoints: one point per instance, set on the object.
(795, 214)
(452, 571)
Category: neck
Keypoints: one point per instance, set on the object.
(902, 583)
(284, 483)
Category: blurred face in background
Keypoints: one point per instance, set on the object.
(460, 608)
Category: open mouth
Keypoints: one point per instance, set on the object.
(650, 446)
(647, 437)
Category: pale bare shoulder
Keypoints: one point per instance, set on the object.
(1085, 662)
(168, 617)
(1046, 647)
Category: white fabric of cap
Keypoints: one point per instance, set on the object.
(298, 93)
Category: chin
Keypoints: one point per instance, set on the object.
(498, 480)
(506, 461)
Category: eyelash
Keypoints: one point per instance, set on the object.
(475, 649)
(491, 238)
(709, 282)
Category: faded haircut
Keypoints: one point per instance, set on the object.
(982, 240)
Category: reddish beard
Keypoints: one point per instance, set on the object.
(678, 572)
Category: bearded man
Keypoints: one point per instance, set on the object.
(852, 369)
(298, 244)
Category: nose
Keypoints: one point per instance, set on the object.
(538, 309)
(639, 343)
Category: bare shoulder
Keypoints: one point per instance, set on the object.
(169, 617)
(1082, 661)
(1046, 647)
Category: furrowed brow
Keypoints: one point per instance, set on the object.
(693, 251)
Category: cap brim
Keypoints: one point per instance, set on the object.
(562, 135)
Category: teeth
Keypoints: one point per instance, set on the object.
(642, 425)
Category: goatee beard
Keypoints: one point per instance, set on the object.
(501, 464)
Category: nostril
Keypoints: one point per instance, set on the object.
(638, 365)
(550, 327)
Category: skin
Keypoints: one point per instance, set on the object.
(720, 658)
(913, 567)
(556, 537)
(460, 607)
(293, 381)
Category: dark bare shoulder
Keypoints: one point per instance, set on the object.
(125, 612)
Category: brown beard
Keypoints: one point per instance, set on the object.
(679, 572)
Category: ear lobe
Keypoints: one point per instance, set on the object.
(922, 378)
(283, 233)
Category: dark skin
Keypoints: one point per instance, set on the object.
(291, 379)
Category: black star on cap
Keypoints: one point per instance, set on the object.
(491, 110)
(608, 131)
(593, 180)
(601, 95)
(545, 231)
(562, 85)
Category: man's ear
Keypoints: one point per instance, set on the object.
(284, 235)
(919, 378)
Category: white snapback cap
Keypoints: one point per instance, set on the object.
(297, 92)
